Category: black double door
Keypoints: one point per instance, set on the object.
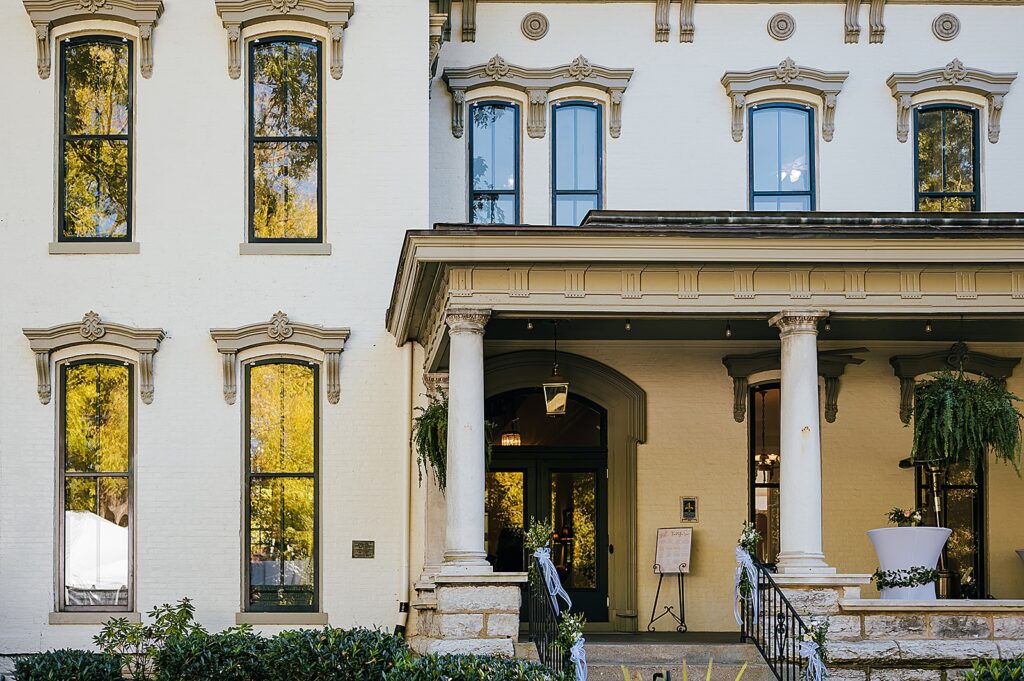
(569, 490)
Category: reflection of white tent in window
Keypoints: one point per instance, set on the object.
(95, 560)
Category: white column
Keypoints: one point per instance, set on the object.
(464, 539)
(800, 445)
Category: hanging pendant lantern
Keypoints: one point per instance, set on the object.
(556, 388)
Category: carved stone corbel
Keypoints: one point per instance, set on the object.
(468, 21)
(852, 32)
(146, 49)
(537, 114)
(234, 50)
(995, 112)
(280, 329)
(831, 398)
(42, 49)
(337, 30)
(876, 21)
(686, 27)
(92, 329)
(828, 117)
(615, 114)
(438, 22)
(740, 384)
(903, 106)
(661, 25)
(458, 113)
(739, 109)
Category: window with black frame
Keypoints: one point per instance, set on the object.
(95, 486)
(494, 163)
(95, 184)
(781, 157)
(765, 461)
(576, 161)
(962, 502)
(285, 140)
(281, 520)
(946, 149)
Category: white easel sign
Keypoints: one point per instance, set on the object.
(673, 551)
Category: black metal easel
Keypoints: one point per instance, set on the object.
(680, 619)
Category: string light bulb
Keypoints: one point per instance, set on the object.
(928, 326)
(629, 325)
(728, 330)
(529, 325)
(828, 323)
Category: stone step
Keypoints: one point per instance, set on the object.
(696, 654)
(719, 672)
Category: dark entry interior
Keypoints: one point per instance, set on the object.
(553, 469)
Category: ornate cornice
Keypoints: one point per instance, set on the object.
(92, 329)
(956, 77)
(467, 320)
(831, 365)
(908, 367)
(239, 14)
(48, 14)
(537, 83)
(786, 75)
(280, 329)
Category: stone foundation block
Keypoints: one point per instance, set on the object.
(960, 626)
(472, 646)
(894, 626)
(1009, 627)
(847, 675)
(811, 601)
(862, 651)
(940, 651)
(475, 598)
(1010, 648)
(461, 626)
(906, 675)
(843, 627)
(502, 625)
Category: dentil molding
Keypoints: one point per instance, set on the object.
(92, 329)
(239, 14)
(48, 14)
(280, 329)
(787, 75)
(537, 84)
(953, 76)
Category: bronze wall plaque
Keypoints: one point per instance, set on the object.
(363, 549)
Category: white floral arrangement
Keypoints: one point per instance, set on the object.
(749, 538)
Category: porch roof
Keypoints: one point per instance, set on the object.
(699, 263)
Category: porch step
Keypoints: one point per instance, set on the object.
(723, 672)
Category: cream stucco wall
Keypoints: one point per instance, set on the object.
(696, 448)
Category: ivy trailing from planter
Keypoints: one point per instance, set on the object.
(908, 578)
(430, 435)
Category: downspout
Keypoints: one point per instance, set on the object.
(403, 588)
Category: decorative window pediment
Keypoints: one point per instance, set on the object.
(278, 330)
(240, 14)
(956, 77)
(92, 329)
(537, 84)
(908, 367)
(47, 14)
(787, 75)
(831, 365)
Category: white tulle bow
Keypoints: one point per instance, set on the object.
(578, 658)
(551, 580)
(816, 670)
(744, 565)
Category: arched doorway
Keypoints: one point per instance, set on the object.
(625, 405)
(554, 469)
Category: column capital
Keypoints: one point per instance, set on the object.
(790, 322)
(467, 319)
(435, 381)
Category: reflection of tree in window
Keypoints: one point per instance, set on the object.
(282, 470)
(947, 173)
(285, 139)
(494, 163)
(781, 157)
(505, 511)
(95, 133)
(574, 519)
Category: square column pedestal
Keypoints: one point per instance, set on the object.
(471, 614)
(817, 596)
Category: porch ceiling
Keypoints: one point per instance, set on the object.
(685, 274)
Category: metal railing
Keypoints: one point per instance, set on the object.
(544, 622)
(777, 630)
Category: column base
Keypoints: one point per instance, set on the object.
(476, 614)
(803, 564)
(465, 563)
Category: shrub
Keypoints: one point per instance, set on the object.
(471, 668)
(996, 670)
(137, 644)
(234, 654)
(68, 665)
(330, 654)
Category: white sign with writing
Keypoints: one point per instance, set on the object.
(673, 552)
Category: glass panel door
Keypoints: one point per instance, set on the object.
(505, 511)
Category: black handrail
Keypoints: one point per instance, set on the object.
(544, 622)
(777, 630)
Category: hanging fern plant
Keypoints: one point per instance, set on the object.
(430, 435)
(958, 420)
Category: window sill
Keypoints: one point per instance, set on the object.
(62, 618)
(284, 249)
(282, 618)
(94, 248)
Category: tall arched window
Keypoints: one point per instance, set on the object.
(765, 463)
(946, 149)
(284, 136)
(96, 139)
(494, 163)
(576, 161)
(782, 157)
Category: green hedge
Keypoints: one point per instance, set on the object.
(330, 654)
(68, 665)
(470, 668)
(232, 655)
(996, 670)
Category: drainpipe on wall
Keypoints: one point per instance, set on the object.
(403, 588)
